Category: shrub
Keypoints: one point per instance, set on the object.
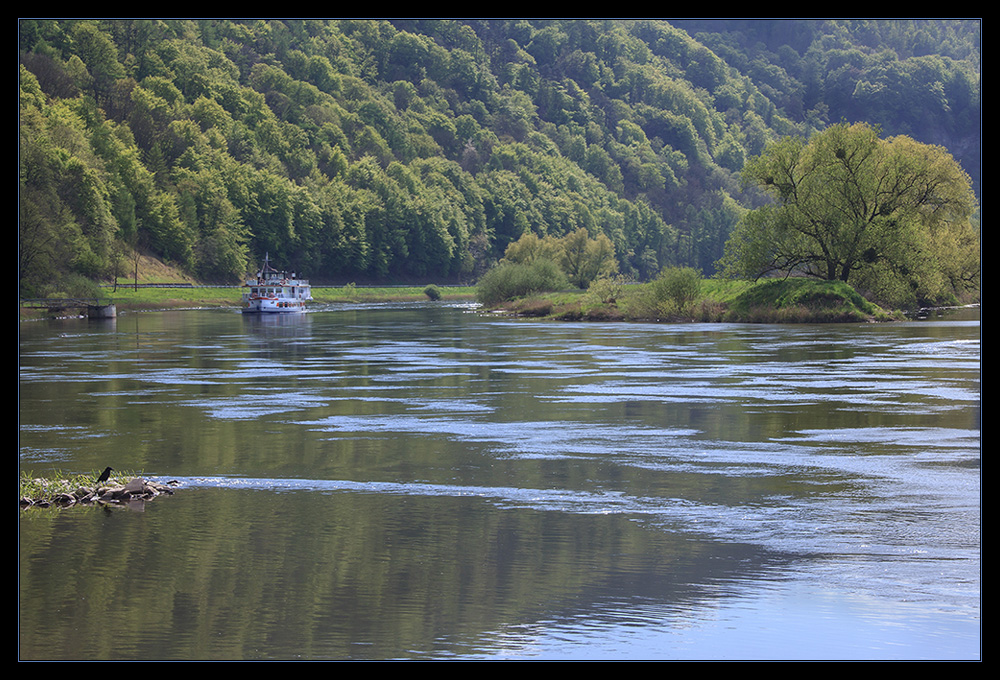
(676, 289)
(607, 289)
(508, 281)
(432, 292)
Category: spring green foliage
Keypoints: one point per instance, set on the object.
(580, 257)
(421, 149)
(510, 280)
(676, 290)
(607, 289)
(891, 216)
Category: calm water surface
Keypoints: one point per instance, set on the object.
(423, 481)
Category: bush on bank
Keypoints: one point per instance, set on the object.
(509, 281)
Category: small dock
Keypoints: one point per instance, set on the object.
(95, 308)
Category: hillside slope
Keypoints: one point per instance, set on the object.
(408, 150)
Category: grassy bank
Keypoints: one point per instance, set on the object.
(775, 301)
(164, 298)
(710, 300)
(352, 293)
(175, 290)
(679, 294)
(128, 299)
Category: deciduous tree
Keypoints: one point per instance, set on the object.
(891, 215)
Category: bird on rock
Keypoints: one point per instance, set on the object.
(104, 475)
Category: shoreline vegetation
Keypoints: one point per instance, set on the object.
(794, 300)
(676, 295)
(62, 491)
(773, 301)
(165, 297)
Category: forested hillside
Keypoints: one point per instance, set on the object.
(419, 150)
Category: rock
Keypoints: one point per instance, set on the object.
(135, 486)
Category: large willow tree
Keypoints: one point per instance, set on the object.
(893, 217)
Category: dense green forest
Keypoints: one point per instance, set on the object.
(377, 150)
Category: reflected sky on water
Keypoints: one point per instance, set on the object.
(426, 481)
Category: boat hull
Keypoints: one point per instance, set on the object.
(275, 307)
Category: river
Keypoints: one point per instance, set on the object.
(424, 481)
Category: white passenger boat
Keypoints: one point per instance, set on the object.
(275, 292)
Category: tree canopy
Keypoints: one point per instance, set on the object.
(891, 216)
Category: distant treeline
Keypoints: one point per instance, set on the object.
(420, 149)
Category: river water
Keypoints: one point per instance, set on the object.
(424, 481)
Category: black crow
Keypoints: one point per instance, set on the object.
(104, 475)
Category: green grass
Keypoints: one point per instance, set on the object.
(799, 300)
(352, 293)
(165, 298)
(129, 299)
(773, 301)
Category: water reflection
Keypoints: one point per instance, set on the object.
(416, 481)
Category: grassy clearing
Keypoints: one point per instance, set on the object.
(353, 293)
(129, 299)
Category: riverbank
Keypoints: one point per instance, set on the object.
(793, 300)
(179, 296)
(773, 301)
